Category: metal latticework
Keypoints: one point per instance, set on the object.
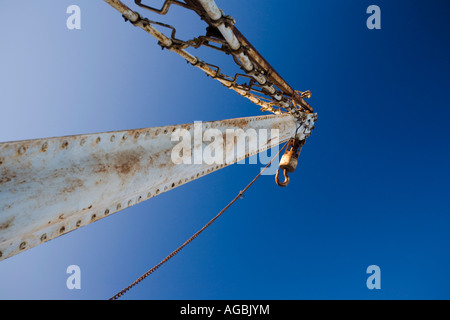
(260, 82)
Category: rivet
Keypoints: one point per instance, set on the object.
(62, 229)
(21, 150)
(98, 140)
(22, 245)
(44, 147)
(113, 137)
(118, 206)
(106, 212)
(44, 237)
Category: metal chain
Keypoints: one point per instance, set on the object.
(240, 194)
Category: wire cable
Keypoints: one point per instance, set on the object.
(149, 272)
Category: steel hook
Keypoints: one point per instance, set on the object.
(286, 178)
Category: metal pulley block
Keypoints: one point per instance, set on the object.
(289, 160)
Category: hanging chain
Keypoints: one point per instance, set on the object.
(170, 256)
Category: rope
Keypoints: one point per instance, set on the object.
(149, 272)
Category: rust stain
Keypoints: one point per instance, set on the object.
(5, 179)
(72, 185)
(124, 166)
(240, 123)
(125, 163)
(6, 224)
(101, 168)
(7, 175)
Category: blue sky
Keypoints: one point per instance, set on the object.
(373, 182)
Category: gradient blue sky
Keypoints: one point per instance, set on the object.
(373, 182)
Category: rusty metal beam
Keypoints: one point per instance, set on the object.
(49, 187)
(165, 7)
(212, 14)
(271, 74)
(166, 42)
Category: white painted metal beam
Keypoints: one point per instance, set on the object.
(51, 186)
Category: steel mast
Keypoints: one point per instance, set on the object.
(51, 186)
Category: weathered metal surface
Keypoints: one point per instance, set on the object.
(236, 40)
(166, 42)
(271, 73)
(123, 9)
(215, 14)
(49, 187)
(165, 7)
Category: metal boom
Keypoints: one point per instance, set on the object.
(49, 187)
